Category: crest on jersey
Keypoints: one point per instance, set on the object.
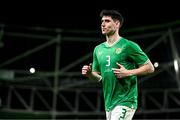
(118, 50)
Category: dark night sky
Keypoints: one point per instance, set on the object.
(85, 15)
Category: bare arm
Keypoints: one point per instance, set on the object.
(142, 70)
(95, 76)
(86, 71)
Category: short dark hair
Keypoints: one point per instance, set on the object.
(114, 15)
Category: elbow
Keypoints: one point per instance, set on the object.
(151, 69)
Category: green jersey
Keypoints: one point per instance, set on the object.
(118, 91)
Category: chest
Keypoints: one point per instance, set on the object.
(109, 56)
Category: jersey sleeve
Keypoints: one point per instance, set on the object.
(95, 65)
(137, 54)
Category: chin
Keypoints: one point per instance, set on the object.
(104, 33)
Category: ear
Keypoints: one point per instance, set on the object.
(118, 24)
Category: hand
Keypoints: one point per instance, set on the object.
(86, 70)
(120, 72)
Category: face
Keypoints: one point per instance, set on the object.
(108, 25)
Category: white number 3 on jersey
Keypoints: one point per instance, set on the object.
(108, 60)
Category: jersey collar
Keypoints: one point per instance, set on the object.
(107, 45)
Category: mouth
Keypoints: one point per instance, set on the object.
(103, 29)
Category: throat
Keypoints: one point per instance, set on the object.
(112, 42)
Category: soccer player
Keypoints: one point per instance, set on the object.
(117, 62)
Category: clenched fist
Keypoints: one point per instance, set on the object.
(86, 70)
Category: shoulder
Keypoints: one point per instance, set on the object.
(100, 45)
(130, 43)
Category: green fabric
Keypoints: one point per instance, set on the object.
(118, 91)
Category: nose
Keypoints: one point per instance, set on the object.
(102, 24)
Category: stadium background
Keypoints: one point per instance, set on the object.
(58, 41)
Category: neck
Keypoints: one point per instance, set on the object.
(111, 39)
